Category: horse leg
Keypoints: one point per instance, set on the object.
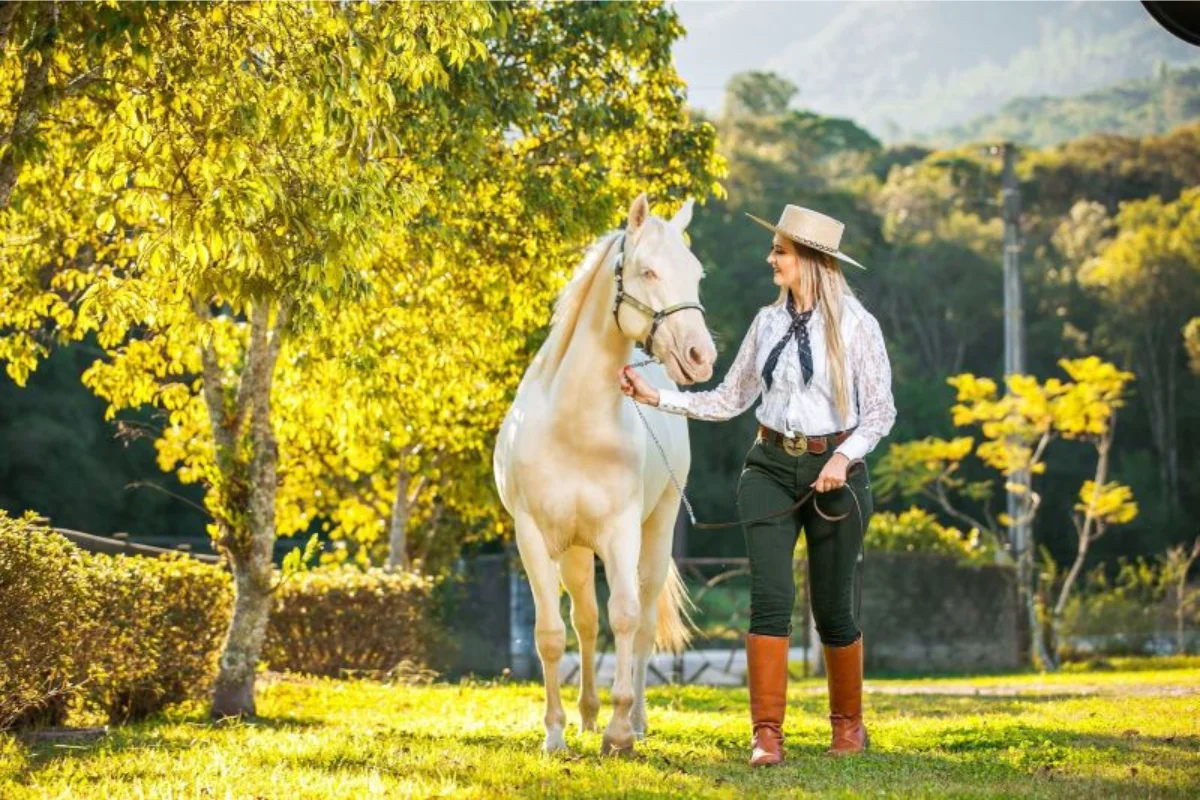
(578, 569)
(620, 553)
(550, 633)
(653, 565)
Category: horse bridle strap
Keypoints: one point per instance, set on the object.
(656, 317)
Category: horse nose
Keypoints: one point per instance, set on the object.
(701, 357)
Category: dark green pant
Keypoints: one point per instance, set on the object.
(771, 481)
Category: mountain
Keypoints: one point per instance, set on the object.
(904, 69)
(1132, 108)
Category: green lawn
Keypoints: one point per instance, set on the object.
(1094, 734)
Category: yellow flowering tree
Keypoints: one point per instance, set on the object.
(931, 468)
(1017, 428)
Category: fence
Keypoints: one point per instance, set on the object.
(919, 613)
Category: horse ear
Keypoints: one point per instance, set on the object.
(639, 212)
(683, 217)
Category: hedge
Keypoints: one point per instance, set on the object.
(129, 635)
(338, 620)
(45, 593)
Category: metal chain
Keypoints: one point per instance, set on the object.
(687, 504)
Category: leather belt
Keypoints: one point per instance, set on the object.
(801, 444)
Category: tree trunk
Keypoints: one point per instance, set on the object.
(398, 528)
(1091, 528)
(233, 693)
(1172, 454)
(435, 521)
(1160, 405)
(1037, 638)
(250, 549)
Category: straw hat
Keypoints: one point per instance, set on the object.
(811, 229)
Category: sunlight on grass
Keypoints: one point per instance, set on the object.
(1076, 735)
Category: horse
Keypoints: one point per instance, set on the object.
(575, 468)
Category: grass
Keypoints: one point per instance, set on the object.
(1112, 733)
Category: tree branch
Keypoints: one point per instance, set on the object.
(28, 112)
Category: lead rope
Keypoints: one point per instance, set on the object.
(862, 553)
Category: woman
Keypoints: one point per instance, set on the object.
(807, 355)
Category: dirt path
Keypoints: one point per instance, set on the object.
(1026, 688)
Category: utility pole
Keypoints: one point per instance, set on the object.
(1020, 533)
(1014, 327)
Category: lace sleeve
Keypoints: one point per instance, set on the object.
(873, 379)
(737, 391)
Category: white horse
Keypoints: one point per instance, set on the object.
(579, 474)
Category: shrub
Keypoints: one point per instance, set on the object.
(333, 620)
(1135, 612)
(918, 531)
(129, 635)
(162, 622)
(44, 593)
(125, 635)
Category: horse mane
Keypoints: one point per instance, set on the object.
(566, 306)
(569, 304)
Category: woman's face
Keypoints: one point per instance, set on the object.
(785, 262)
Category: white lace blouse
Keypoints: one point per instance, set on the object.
(789, 405)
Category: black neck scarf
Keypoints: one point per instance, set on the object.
(799, 329)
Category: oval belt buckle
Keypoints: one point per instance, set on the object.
(797, 446)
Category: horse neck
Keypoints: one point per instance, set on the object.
(586, 375)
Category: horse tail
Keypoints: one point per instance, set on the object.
(675, 624)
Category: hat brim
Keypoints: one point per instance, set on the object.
(838, 254)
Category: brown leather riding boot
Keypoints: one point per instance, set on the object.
(844, 671)
(766, 666)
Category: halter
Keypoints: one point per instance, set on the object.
(656, 317)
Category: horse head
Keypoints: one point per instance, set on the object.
(658, 293)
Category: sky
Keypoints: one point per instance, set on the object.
(906, 67)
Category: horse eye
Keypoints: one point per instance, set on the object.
(649, 274)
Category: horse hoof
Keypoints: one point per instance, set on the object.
(554, 743)
(639, 735)
(587, 725)
(616, 747)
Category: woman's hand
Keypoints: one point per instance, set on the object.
(635, 386)
(833, 474)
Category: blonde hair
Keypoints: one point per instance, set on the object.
(822, 278)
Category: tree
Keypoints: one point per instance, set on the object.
(1148, 275)
(1176, 565)
(304, 227)
(1017, 429)
(1019, 426)
(251, 158)
(931, 469)
(574, 109)
(935, 235)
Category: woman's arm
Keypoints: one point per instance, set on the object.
(873, 377)
(736, 393)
